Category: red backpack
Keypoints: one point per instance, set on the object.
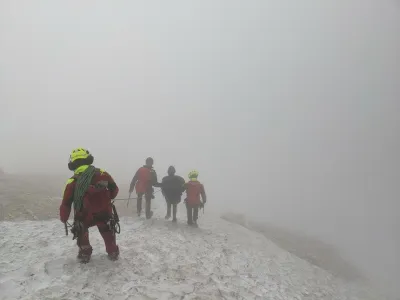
(97, 206)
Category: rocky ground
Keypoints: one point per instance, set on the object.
(27, 197)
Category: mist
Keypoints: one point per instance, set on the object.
(289, 110)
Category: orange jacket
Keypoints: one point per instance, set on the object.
(194, 189)
(144, 180)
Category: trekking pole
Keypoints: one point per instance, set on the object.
(66, 228)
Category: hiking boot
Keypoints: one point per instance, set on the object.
(84, 254)
(174, 220)
(149, 215)
(113, 255)
(167, 217)
(83, 258)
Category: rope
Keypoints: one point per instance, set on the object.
(82, 185)
(132, 198)
(122, 199)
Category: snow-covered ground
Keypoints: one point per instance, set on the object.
(160, 260)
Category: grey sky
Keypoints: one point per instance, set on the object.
(289, 110)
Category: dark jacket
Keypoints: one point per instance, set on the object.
(173, 187)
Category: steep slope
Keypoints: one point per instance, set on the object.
(308, 248)
(160, 260)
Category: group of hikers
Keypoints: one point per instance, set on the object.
(172, 188)
(91, 190)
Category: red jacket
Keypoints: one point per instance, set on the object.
(144, 180)
(96, 201)
(194, 189)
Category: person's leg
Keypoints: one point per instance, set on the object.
(174, 210)
(189, 214)
(149, 213)
(85, 249)
(168, 209)
(139, 204)
(109, 240)
(195, 214)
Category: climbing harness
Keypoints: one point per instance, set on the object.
(77, 230)
(113, 222)
(77, 227)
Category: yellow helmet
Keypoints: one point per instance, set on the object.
(79, 153)
(193, 174)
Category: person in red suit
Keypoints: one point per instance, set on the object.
(194, 190)
(90, 190)
(143, 182)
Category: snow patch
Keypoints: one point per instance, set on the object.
(160, 260)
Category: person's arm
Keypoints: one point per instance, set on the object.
(163, 186)
(112, 186)
(184, 189)
(133, 182)
(154, 180)
(203, 194)
(68, 199)
(183, 184)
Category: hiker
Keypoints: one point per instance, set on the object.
(90, 190)
(194, 189)
(172, 189)
(144, 180)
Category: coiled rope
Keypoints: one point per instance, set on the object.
(82, 184)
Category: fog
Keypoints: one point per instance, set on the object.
(288, 109)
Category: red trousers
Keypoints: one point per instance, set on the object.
(106, 233)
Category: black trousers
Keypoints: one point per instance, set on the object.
(172, 202)
(174, 209)
(147, 197)
(192, 213)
